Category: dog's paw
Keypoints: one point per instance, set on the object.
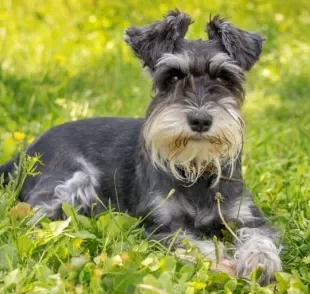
(269, 261)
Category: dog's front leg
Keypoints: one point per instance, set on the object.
(256, 246)
(257, 249)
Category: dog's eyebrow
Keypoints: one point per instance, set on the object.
(177, 61)
(222, 61)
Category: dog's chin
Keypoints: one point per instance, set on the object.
(194, 156)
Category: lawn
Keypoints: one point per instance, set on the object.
(63, 60)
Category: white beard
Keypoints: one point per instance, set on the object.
(174, 147)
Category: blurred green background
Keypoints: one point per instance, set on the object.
(64, 60)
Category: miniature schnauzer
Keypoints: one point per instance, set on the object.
(190, 141)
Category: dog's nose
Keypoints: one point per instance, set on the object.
(200, 122)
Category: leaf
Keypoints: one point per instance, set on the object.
(8, 257)
(104, 220)
(70, 212)
(306, 259)
(288, 283)
(84, 235)
(231, 285)
(142, 247)
(186, 273)
(255, 275)
(24, 245)
(150, 280)
(220, 278)
(190, 290)
(42, 272)
(114, 224)
(84, 221)
(57, 227)
(79, 261)
(13, 277)
(168, 263)
(149, 289)
(166, 282)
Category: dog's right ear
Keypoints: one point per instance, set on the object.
(149, 43)
(245, 47)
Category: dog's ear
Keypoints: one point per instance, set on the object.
(245, 47)
(149, 43)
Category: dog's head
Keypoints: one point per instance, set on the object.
(193, 122)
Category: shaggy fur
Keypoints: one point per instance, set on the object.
(190, 140)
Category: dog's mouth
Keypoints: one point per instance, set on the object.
(197, 138)
(214, 140)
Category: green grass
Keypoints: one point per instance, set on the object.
(65, 60)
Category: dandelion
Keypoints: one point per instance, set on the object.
(18, 136)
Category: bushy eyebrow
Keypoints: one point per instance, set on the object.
(216, 64)
(177, 61)
(221, 61)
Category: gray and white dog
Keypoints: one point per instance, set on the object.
(190, 141)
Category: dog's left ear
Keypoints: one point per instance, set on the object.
(149, 43)
(245, 47)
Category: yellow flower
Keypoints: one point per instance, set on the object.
(18, 136)
(60, 58)
(77, 243)
(198, 285)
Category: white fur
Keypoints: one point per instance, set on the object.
(168, 131)
(257, 250)
(77, 190)
(80, 189)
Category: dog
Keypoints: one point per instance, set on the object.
(190, 142)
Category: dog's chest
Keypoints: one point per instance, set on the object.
(180, 212)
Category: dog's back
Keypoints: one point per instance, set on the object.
(81, 158)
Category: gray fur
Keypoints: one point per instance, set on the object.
(258, 250)
(135, 163)
(150, 42)
(244, 47)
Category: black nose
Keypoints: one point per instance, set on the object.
(200, 122)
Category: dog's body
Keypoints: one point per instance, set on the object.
(190, 141)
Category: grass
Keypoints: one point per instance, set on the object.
(65, 60)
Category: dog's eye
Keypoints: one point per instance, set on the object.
(173, 76)
(174, 79)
